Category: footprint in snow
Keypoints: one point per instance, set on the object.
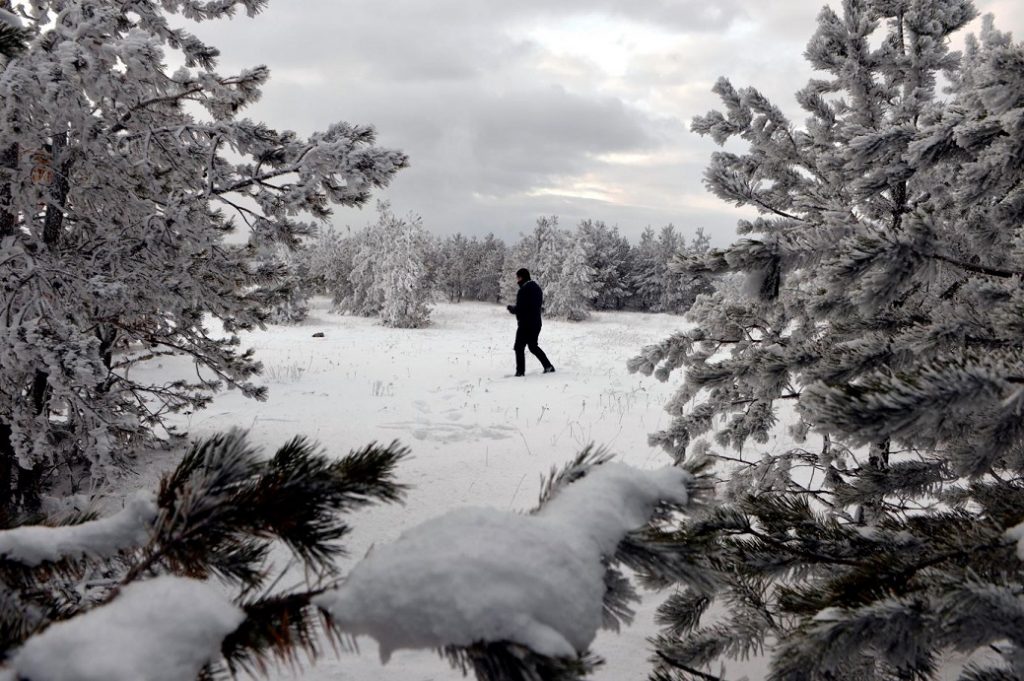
(446, 432)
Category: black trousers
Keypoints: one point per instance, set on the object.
(526, 337)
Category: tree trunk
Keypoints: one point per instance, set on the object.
(53, 223)
(878, 454)
(29, 483)
(7, 459)
(8, 162)
(107, 336)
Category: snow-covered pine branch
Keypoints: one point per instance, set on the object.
(508, 594)
(77, 601)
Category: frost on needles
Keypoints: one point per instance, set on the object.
(181, 584)
(118, 184)
(884, 301)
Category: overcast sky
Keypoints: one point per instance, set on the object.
(512, 109)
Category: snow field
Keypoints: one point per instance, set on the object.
(479, 437)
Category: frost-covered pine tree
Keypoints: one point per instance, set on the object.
(656, 280)
(541, 251)
(608, 256)
(571, 294)
(364, 297)
(644, 280)
(329, 261)
(118, 183)
(456, 267)
(681, 287)
(402, 270)
(390, 277)
(884, 280)
(489, 269)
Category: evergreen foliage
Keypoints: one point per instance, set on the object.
(608, 255)
(622, 276)
(644, 276)
(471, 269)
(657, 282)
(609, 274)
(217, 515)
(404, 271)
(490, 269)
(389, 276)
(883, 299)
(293, 279)
(328, 262)
(541, 251)
(118, 184)
(222, 512)
(571, 295)
(455, 267)
(12, 34)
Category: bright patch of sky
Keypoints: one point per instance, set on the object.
(609, 43)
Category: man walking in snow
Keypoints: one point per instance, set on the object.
(529, 301)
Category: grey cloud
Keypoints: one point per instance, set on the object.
(489, 117)
(549, 131)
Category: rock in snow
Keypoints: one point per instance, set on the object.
(483, 574)
(162, 629)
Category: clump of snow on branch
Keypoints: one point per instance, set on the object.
(32, 545)
(10, 19)
(489, 575)
(1016, 533)
(162, 629)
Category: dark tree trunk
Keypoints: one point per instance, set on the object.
(6, 474)
(29, 483)
(27, 491)
(107, 336)
(878, 454)
(8, 162)
(53, 223)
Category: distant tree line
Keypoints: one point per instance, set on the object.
(394, 268)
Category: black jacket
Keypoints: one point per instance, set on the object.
(529, 301)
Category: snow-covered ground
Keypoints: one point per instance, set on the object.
(479, 437)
